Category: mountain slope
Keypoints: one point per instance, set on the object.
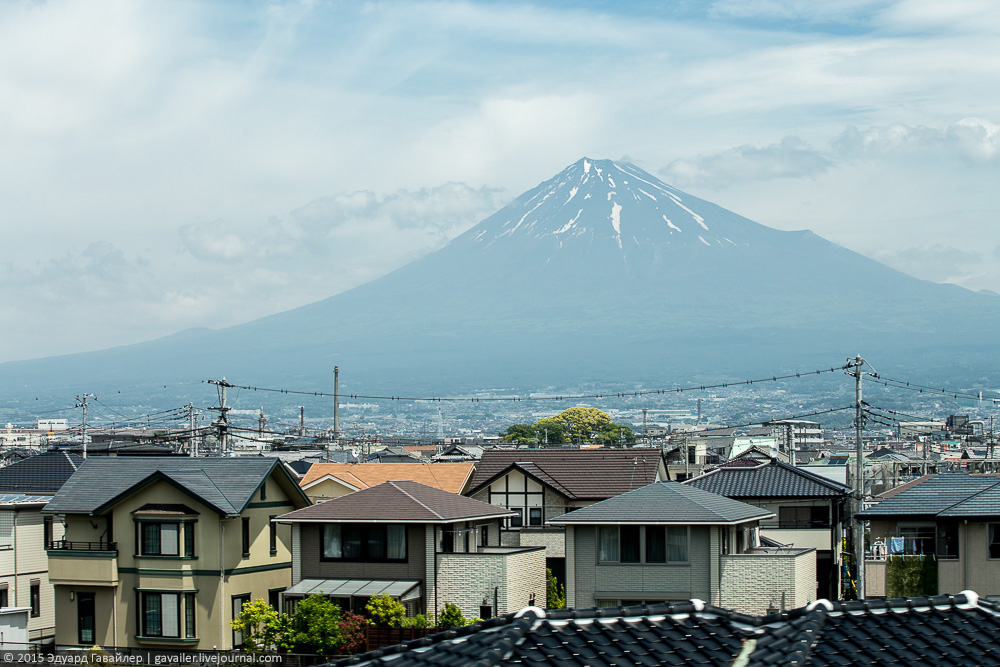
(601, 273)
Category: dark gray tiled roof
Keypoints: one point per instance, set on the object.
(577, 474)
(665, 502)
(913, 632)
(948, 494)
(225, 484)
(397, 502)
(768, 479)
(42, 474)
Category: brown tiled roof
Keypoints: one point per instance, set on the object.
(445, 476)
(398, 502)
(576, 474)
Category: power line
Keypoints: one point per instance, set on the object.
(924, 389)
(566, 397)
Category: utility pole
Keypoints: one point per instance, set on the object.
(336, 404)
(222, 423)
(302, 420)
(644, 437)
(193, 449)
(83, 432)
(857, 525)
(791, 443)
(261, 423)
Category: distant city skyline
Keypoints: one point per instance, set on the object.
(199, 164)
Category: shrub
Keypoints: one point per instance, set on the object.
(451, 617)
(386, 611)
(555, 592)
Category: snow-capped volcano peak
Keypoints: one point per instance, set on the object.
(616, 204)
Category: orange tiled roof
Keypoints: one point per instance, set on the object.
(445, 476)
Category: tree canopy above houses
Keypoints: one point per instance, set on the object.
(573, 425)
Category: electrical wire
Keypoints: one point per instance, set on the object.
(515, 399)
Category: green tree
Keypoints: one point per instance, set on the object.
(386, 611)
(584, 425)
(520, 433)
(451, 617)
(260, 625)
(555, 592)
(550, 431)
(315, 627)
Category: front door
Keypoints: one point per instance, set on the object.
(85, 618)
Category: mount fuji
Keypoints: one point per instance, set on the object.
(601, 274)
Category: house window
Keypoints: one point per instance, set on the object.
(161, 614)
(628, 544)
(274, 598)
(368, 542)
(994, 545)
(608, 552)
(656, 544)
(246, 536)
(36, 598)
(804, 517)
(916, 540)
(677, 544)
(164, 539)
(238, 601)
(534, 516)
(263, 491)
(189, 615)
(518, 520)
(273, 534)
(85, 618)
(47, 532)
(3, 596)
(484, 536)
(624, 544)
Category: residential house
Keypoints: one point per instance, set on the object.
(809, 510)
(912, 632)
(324, 481)
(419, 544)
(25, 488)
(667, 542)
(163, 552)
(540, 484)
(953, 519)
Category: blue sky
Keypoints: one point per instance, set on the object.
(182, 164)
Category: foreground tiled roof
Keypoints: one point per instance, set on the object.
(767, 479)
(43, 474)
(577, 474)
(398, 502)
(450, 477)
(224, 484)
(918, 632)
(665, 502)
(949, 494)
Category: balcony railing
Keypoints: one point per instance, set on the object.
(73, 545)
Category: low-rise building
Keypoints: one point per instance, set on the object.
(808, 510)
(324, 481)
(951, 519)
(668, 542)
(419, 544)
(163, 552)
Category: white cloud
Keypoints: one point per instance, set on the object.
(789, 159)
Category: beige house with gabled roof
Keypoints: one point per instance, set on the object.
(324, 481)
(163, 552)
